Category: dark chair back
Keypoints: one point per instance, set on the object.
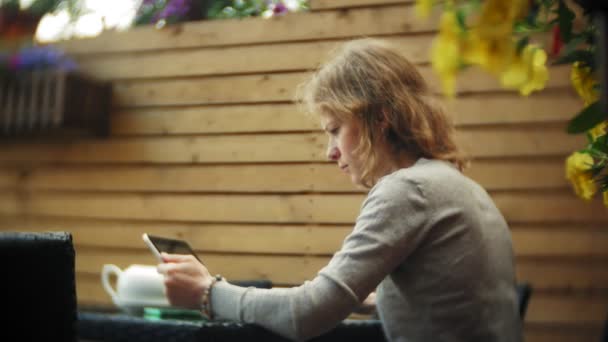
(605, 333)
(524, 291)
(38, 287)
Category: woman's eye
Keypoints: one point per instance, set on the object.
(334, 131)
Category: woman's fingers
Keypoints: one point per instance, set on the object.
(190, 267)
(185, 279)
(180, 262)
(184, 289)
(177, 257)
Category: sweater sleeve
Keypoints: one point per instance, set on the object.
(389, 227)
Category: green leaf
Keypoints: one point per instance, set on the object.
(471, 6)
(589, 140)
(586, 119)
(565, 18)
(596, 170)
(524, 27)
(145, 16)
(533, 14)
(603, 182)
(585, 56)
(573, 44)
(462, 19)
(522, 43)
(41, 7)
(600, 145)
(547, 3)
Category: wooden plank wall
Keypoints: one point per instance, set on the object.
(207, 145)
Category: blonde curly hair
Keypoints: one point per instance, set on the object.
(367, 79)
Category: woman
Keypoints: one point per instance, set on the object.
(429, 239)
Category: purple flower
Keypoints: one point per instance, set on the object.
(279, 9)
(275, 8)
(174, 8)
(39, 58)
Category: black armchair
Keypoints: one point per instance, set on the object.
(38, 287)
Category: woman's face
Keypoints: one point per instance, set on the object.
(344, 137)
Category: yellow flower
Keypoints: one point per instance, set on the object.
(579, 162)
(584, 83)
(497, 17)
(492, 35)
(472, 52)
(598, 130)
(516, 74)
(445, 52)
(577, 172)
(423, 8)
(538, 75)
(527, 71)
(494, 54)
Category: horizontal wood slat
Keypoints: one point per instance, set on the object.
(244, 148)
(279, 269)
(293, 27)
(510, 108)
(316, 5)
(303, 147)
(274, 88)
(327, 208)
(232, 60)
(214, 119)
(210, 90)
(493, 174)
(567, 309)
(532, 241)
(560, 275)
(531, 141)
(488, 109)
(581, 277)
(549, 207)
(499, 174)
(9, 178)
(562, 332)
(213, 208)
(559, 242)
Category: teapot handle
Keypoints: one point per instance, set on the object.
(106, 272)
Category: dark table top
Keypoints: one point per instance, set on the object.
(99, 326)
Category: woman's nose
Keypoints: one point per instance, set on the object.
(333, 153)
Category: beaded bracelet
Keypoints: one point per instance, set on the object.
(206, 300)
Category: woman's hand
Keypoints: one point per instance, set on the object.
(186, 279)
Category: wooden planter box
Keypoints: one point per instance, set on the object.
(53, 102)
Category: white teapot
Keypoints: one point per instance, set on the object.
(137, 286)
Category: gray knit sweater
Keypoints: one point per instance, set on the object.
(432, 243)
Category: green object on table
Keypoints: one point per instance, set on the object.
(172, 313)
